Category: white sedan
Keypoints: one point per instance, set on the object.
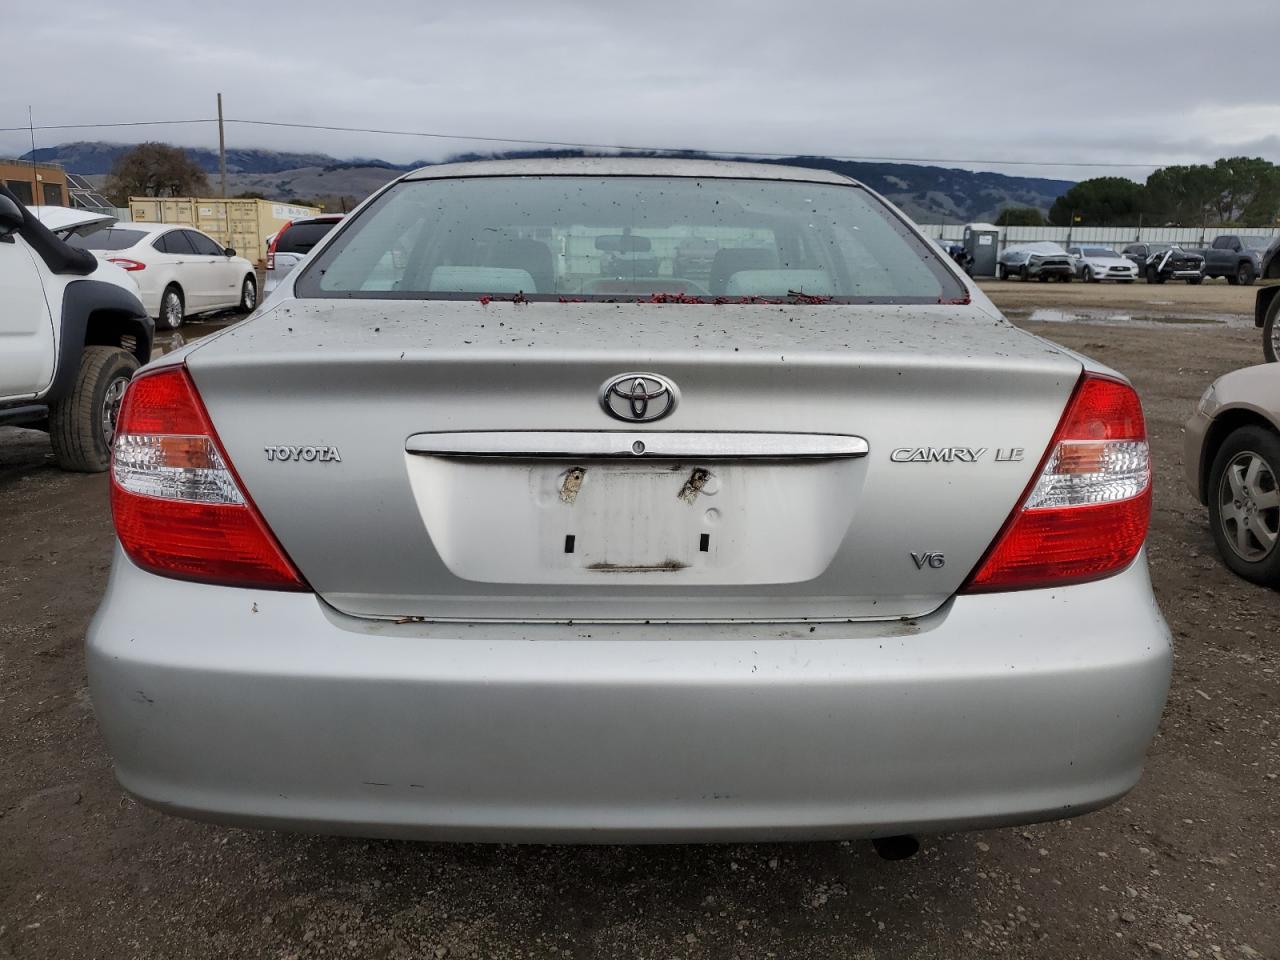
(1097, 263)
(179, 270)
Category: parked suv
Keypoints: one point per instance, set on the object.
(1159, 262)
(1036, 261)
(74, 331)
(1236, 257)
(292, 243)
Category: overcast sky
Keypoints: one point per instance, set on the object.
(1081, 82)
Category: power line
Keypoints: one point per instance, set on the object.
(653, 149)
(574, 144)
(103, 126)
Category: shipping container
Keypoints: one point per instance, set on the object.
(244, 225)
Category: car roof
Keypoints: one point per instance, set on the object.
(626, 167)
(154, 227)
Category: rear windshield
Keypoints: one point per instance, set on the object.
(301, 237)
(629, 238)
(112, 238)
(1097, 251)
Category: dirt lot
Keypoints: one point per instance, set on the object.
(1185, 866)
(1170, 301)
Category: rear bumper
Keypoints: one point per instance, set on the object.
(1051, 270)
(270, 709)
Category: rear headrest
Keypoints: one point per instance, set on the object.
(532, 256)
(778, 283)
(731, 261)
(480, 280)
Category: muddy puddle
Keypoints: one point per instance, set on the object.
(167, 341)
(1131, 318)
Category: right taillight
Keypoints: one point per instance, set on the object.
(1085, 515)
(178, 506)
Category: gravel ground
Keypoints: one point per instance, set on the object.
(1185, 866)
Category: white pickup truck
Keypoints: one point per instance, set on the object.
(72, 332)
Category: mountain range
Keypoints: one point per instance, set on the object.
(929, 194)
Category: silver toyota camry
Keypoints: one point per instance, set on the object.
(504, 520)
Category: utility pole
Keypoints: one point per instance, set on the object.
(222, 151)
(35, 171)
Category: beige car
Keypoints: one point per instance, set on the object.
(1231, 455)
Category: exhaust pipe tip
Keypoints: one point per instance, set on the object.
(896, 848)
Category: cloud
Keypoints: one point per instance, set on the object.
(999, 81)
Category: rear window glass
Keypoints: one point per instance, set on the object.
(112, 238)
(301, 237)
(629, 238)
(1097, 251)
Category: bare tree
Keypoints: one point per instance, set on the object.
(155, 170)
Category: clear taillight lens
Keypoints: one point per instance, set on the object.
(1080, 472)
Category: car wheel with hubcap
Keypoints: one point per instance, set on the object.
(1023, 273)
(172, 308)
(1000, 273)
(82, 425)
(248, 294)
(1088, 275)
(1244, 504)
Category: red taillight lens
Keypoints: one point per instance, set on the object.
(179, 509)
(1086, 514)
(124, 263)
(271, 247)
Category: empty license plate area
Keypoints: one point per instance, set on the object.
(650, 521)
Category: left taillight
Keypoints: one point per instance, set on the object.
(178, 506)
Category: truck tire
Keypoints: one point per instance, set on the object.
(1000, 271)
(1271, 331)
(1154, 275)
(1245, 274)
(82, 424)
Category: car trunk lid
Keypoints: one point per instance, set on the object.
(451, 459)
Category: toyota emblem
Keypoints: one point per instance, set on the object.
(638, 397)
